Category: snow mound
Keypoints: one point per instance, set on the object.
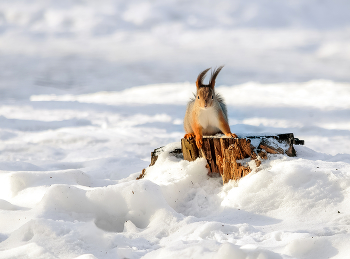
(110, 207)
(288, 207)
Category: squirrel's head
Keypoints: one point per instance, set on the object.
(205, 93)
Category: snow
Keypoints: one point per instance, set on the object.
(89, 89)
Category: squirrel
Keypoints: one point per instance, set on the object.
(206, 114)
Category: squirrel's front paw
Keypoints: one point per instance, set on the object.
(189, 136)
(232, 135)
(199, 142)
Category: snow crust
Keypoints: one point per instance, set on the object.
(89, 88)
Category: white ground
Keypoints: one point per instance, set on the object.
(82, 107)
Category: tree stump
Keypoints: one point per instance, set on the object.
(229, 157)
(232, 158)
(221, 155)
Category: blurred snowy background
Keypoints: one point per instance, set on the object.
(87, 46)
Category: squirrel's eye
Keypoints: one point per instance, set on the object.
(198, 96)
(212, 97)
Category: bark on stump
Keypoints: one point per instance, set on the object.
(221, 155)
(224, 155)
(229, 157)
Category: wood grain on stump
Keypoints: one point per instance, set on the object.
(229, 157)
(224, 155)
(221, 155)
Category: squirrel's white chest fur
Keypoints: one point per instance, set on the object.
(209, 120)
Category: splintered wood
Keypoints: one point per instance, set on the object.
(221, 155)
(231, 169)
(229, 157)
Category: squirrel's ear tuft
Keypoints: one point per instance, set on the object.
(214, 74)
(200, 78)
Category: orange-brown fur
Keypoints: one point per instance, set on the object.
(206, 114)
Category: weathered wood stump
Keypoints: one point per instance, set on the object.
(232, 158)
(229, 157)
(222, 155)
